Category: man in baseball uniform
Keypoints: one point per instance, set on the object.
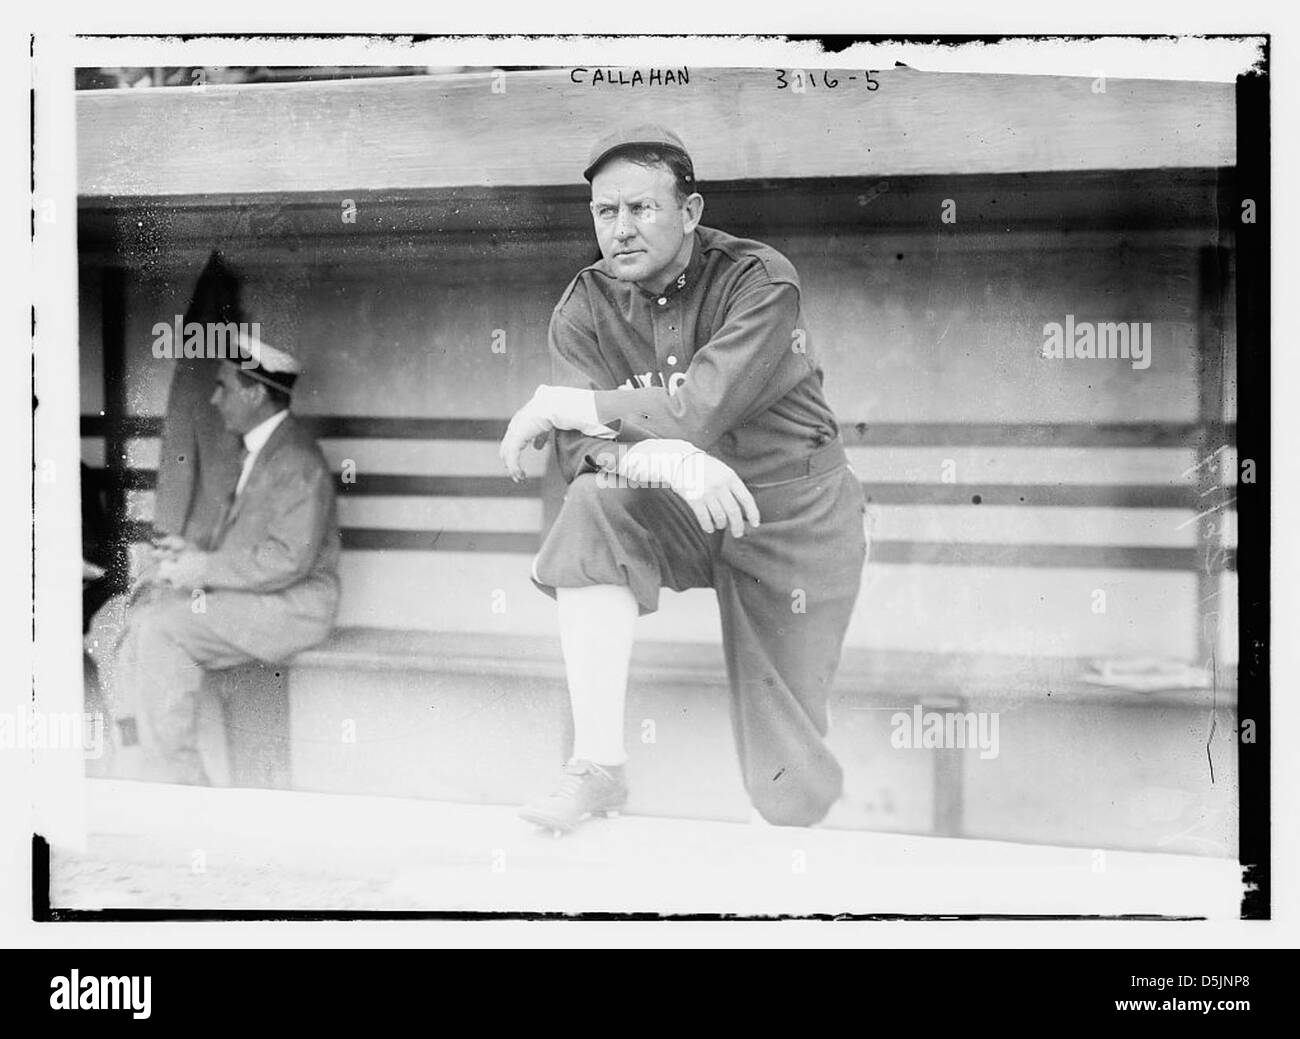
(691, 425)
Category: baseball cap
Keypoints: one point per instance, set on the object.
(650, 135)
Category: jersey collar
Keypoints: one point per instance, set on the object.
(688, 277)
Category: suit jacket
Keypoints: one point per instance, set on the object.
(277, 548)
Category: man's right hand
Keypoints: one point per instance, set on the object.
(170, 544)
(162, 548)
(717, 496)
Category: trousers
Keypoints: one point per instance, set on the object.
(151, 653)
(785, 592)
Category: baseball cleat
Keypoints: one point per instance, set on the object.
(585, 789)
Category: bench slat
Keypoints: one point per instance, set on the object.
(854, 434)
(1074, 495)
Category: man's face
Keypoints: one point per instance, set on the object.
(643, 229)
(236, 401)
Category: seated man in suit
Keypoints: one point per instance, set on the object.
(263, 586)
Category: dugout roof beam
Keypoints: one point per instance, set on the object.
(434, 132)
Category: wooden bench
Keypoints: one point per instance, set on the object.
(469, 717)
(270, 744)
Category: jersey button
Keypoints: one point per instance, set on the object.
(663, 300)
(672, 359)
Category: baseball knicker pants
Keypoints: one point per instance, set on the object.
(785, 593)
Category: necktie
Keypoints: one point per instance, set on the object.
(239, 476)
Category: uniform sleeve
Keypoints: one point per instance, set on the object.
(576, 363)
(757, 355)
(288, 544)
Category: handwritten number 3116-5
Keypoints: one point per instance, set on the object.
(799, 78)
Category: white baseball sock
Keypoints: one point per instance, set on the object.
(596, 630)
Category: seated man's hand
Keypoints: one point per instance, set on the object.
(170, 544)
(717, 496)
(184, 569)
(162, 548)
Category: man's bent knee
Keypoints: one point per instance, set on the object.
(784, 800)
(598, 493)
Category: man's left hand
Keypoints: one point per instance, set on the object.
(185, 569)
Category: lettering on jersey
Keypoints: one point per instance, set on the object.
(648, 379)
